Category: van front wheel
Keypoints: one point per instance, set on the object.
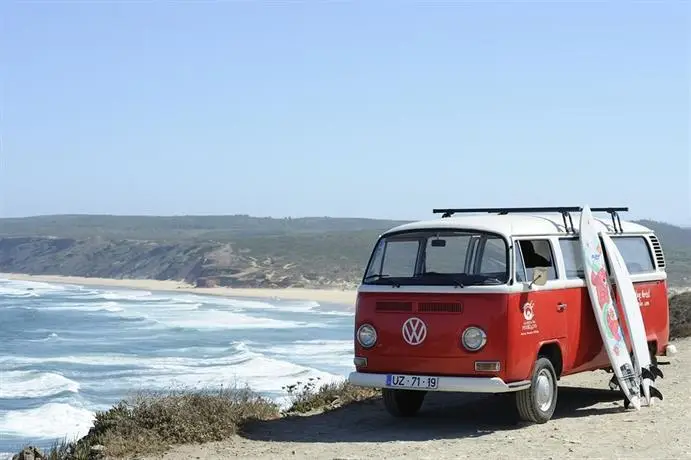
(403, 403)
(537, 403)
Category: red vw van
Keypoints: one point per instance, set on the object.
(493, 301)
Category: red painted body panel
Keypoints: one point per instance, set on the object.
(441, 352)
(652, 297)
(513, 338)
(525, 337)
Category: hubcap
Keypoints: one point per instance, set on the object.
(544, 393)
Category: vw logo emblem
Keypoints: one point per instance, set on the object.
(414, 331)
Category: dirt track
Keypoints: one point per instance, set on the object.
(451, 426)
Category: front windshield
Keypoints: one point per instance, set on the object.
(445, 257)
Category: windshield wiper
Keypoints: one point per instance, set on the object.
(457, 283)
(492, 281)
(374, 277)
(384, 278)
(455, 280)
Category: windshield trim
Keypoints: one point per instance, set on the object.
(431, 230)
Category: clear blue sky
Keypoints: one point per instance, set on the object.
(373, 109)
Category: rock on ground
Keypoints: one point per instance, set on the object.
(30, 453)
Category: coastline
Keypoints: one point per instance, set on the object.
(317, 295)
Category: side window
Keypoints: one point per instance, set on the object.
(375, 263)
(538, 253)
(573, 259)
(636, 253)
(520, 265)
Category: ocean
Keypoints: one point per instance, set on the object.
(67, 350)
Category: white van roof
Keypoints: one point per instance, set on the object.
(521, 224)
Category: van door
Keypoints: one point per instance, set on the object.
(544, 307)
(586, 350)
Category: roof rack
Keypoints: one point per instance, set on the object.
(563, 210)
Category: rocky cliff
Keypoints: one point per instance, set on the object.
(202, 264)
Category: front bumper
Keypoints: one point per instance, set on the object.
(450, 384)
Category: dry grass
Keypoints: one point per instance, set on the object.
(152, 421)
(312, 397)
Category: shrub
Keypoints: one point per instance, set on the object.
(680, 315)
(151, 421)
(310, 396)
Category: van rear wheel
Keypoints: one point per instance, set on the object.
(403, 403)
(537, 403)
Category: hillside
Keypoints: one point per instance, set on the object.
(238, 251)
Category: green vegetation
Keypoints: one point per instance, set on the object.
(150, 422)
(310, 397)
(238, 251)
(182, 228)
(680, 315)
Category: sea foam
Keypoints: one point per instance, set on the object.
(34, 384)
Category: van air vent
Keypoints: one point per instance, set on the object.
(438, 307)
(394, 306)
(657, 249)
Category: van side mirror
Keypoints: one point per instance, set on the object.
(539, 276)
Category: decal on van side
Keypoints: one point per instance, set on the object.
(529, 326)
(643, 297)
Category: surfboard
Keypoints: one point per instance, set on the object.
(631, 311)
(606, 317)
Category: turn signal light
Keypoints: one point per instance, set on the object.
(487, 366)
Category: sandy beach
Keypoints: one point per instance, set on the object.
(589, 422)
(318, 295)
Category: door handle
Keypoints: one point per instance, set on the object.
(561, 306)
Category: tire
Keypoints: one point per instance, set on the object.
(537, 403)
(403, 403)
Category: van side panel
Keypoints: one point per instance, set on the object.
(586, 349)
(521, 348)
(536, 318)
(653, 301)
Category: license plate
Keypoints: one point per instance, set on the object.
(412, 381)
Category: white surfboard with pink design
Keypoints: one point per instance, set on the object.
(631, 312)
(600, 290)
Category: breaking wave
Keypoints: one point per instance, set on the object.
(82, 349)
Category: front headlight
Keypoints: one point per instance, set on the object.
(473, 338)
(366, 336)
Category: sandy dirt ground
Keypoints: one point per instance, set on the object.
(590, 422)
(346, 298)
